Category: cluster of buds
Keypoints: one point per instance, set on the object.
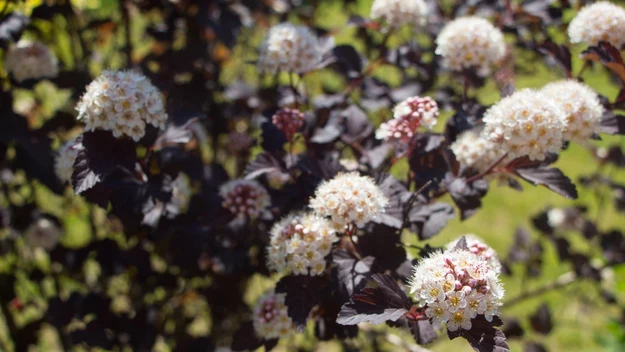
(349, 198)
(122, 102)
(244, 198)
(408, 116)
(456, 286)
(299, 244)
(271, 320)
(30, 60)
(288, 121)
(480, 248)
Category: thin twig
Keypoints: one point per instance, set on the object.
(126, 19)
(487, 171)
(411, 201)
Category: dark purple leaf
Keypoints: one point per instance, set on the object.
(357, 124)
(612, 123)
(376, 304)
(351, 272)
(541, 320)
(303, 292)
(551, 178)
(423, 331)
(383, 243)
(245, 338)
(532, 346)
(468, 197)
(427, 220)
(483, 336)
(99, 155)
(262, 164)
(11, 27)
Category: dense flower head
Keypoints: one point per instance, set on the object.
(397, 13)
(245, 198)
(64, 161)
(580, 104)
(455, 286)
(526, 123)
(288, 121)
(475, 151)
(43, 233)
(470, 43)
(271, 320)
(349, 198)
(299, 244)
(601, 21)
(477, 246)
(289, 48)
(122, 102)
(30, 60)
(408, 116)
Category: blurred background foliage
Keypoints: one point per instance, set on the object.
(585, 323)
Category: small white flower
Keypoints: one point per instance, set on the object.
(438, 312)
(289, 48)
(582, 108)
(271, 320)
(30, 60)
(490, 308)
(473, 303)
(397, 13)
(64, 161)
(470, 43)
(601, 21)
(459, 319)
(432, 291)
(456, 301)
(526, 123)
(349, 198)
(122, 102)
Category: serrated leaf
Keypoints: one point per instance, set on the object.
(551, 178)
(351, 272)
(303, 292)
(262, 164)
(99, 154)
(483, 336)
(427, 220)
(376, 304)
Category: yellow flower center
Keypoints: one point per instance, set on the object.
(454, 301)
(458, 317)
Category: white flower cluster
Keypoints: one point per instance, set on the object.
(244, 198)
(30, 60)
(181, 192)
(470, 43)
(601, 21)
(64, 161)
(580, 104)
(349, 198)
(475, 151)
(477, 246)
(271, 320)
(455, 286)
(43, 233)
(299, 244)
(397, 13)
(122, 102)
(289, 48)
(526, 123)
(408, 116)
